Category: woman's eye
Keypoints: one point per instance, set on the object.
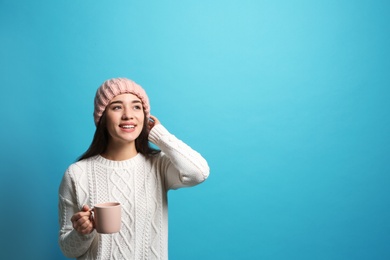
(137, 107)
(116, 107)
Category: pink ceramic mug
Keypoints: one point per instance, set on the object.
(107, 217)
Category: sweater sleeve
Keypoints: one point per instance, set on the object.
(72, 243)
(182, 166)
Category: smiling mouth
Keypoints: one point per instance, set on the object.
(127, 126)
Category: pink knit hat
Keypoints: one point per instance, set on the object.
(116, 86)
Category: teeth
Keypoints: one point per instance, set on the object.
(127, 126)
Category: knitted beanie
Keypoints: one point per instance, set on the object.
(116, 86)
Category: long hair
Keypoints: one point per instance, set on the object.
(100, 140)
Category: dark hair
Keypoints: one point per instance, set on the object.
(101, 137)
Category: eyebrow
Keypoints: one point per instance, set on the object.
(121, 102)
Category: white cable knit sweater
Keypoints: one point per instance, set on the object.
(140, 184)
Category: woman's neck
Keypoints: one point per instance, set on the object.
(120, 152)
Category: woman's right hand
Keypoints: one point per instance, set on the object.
(152, 122)
(82, 221)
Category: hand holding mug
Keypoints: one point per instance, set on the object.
(105, 217)
(82, 221)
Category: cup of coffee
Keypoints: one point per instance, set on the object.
(107, 217)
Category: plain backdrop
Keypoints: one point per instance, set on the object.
(287, 100)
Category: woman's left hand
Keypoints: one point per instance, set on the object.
(152, 122)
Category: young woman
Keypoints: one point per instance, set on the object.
(121, 166)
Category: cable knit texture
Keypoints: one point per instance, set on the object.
(140, 184)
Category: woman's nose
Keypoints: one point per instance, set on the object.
(127, 114)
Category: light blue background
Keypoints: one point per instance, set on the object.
(287, 100)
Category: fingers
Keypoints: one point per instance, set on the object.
(85, 208)
(81, 221)
(83, 225)
(152, 122)
(154, 119)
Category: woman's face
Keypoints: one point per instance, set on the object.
(125, 118)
